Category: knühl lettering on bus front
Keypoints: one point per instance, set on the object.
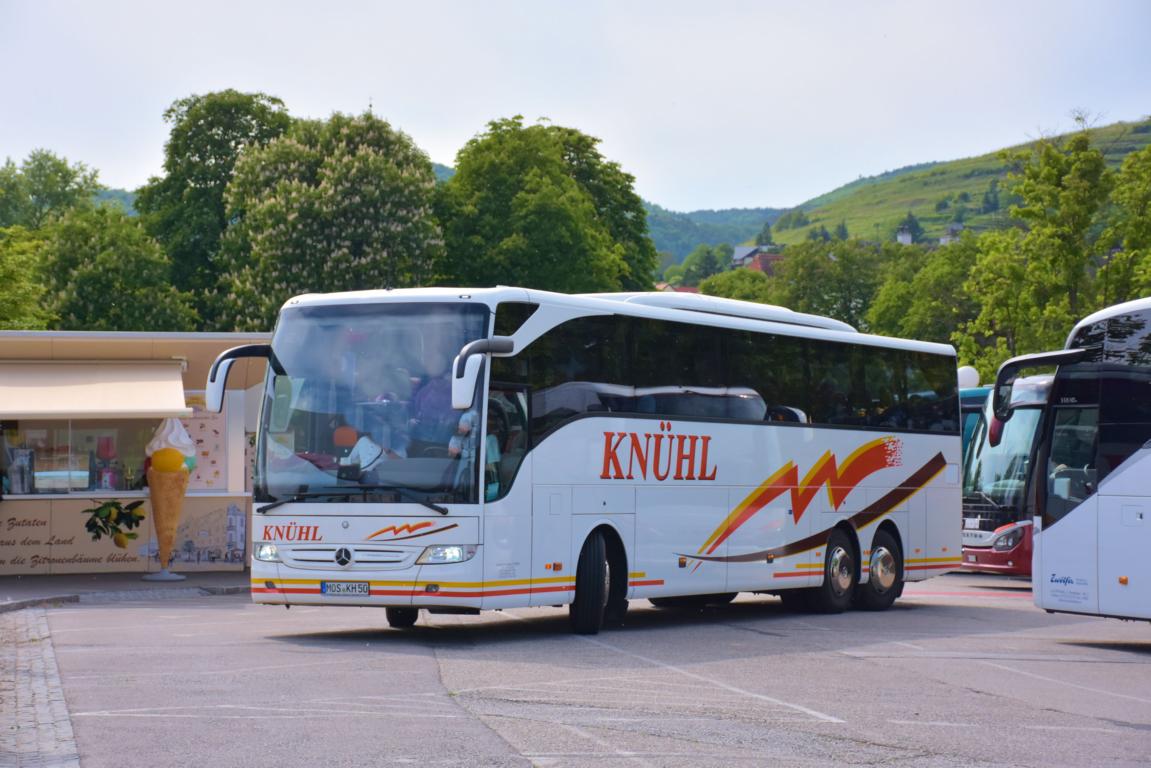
(292, 532)
(661, 456)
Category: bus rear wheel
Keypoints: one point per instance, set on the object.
(839, 576)
(402, 618)
(885, 574)
(586, 611)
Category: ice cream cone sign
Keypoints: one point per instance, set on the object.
(168, 451)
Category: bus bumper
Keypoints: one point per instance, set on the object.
(447, 585)
(1008, 554)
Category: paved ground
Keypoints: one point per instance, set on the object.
(35, 728)
(964, 671)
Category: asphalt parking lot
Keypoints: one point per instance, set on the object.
(963, 671)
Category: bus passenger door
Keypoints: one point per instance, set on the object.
(553, 557)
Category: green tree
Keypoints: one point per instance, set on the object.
(335, 205)
(793, 219)
(841, 230)
(539, 206)
(1126, 270)
(21, 291)
(184, 209)
(923, 295)
(990, 202)
(744, 284)
(1062, 189)
(764, 236)
(45, 186)
(836, 279)
(1005, 323)
(102, 272)
(702, 263)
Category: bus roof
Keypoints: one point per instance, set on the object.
(728, 313)
(1136, 305)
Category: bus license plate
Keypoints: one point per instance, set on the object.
(345, 588)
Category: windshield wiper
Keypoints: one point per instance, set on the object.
(350, 491)
(300, 496)
(404, 493)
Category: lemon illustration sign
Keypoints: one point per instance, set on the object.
(115, 520)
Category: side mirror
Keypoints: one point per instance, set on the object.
(994, 431)
(1009, 371)
(468, 364)
(218, 375)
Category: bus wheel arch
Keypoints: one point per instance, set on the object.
(886, 571)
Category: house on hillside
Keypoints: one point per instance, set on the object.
(757, 258)
(954, 232)
(904, 236)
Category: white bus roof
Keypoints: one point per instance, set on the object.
(1136, 305)
(726, 313)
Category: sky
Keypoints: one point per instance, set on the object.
(708, 104)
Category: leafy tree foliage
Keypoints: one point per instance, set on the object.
(744, 284)
(990, 202)
(1126, 269)
(837, 279)
(20, 291)
(841, 230)
(184, 209)
(539, 206)
(43, 187)
(335, 205)
(1063, 188)
(705, 261)
(102, 272)
(793, 219)
(764, 236)
(923, 295)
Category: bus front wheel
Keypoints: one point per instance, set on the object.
(586, 611)
(402, 618)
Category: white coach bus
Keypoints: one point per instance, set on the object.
(587, 450)
(1091, 493)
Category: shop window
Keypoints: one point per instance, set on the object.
(42, 457)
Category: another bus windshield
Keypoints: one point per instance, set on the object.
(362, 410)
(997, 474)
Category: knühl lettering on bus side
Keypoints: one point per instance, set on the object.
(661, 456)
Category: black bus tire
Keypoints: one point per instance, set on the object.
(885, 577)
(586, 611)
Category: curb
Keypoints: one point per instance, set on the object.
(138, 594)
(35, 602)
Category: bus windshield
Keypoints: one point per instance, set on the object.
(997, 474)
(362, 410)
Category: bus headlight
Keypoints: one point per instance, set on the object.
(1007, 540)
(266, 553)
(447, 553)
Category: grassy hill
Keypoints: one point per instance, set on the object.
(872, 207)
(679, 233)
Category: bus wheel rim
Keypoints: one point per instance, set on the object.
(839, 570)
(882, 570)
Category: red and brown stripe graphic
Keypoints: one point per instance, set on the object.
(892, 499)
